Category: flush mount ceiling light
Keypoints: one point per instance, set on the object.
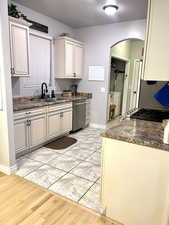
(110, 10)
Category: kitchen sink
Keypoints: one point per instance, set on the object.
(43, 100)
(46, 99)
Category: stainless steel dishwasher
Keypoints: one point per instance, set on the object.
(79, 114)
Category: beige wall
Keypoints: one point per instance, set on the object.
(7, 151)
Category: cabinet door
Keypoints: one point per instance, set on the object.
(54, 126)
(157, 48)
(69, 59)
(78, 60)
(20, 135)
(19, 36)
(66, 122)
(37, 130)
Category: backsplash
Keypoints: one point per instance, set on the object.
(147, 92)
(18, 89)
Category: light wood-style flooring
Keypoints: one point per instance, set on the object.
(25, 203)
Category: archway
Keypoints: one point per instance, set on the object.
(125, 75)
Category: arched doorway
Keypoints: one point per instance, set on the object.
(125, 76)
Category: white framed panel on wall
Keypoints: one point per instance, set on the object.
(96, 73)
(40, 64)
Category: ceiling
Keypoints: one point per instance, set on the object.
(81, 13)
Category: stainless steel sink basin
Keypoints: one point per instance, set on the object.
(47, 99)
(42, 100)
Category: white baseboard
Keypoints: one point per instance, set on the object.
(8, 170)
(97, 126)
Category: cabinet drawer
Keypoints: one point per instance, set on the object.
(36, 112)
(60, 107)
(20, 115)
(31, 112)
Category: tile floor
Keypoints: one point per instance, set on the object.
(73, 172)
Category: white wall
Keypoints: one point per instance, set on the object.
(99, 40)
(55, 29)
(7, 151)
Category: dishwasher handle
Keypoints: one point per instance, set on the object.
(81, 103)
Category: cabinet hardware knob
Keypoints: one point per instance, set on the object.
(12, 70)
(61, 115)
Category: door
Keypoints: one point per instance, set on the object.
(66, 121)
(54, 125)
(21, 135)
(78, 61)
(19, 36)
(135, 89)
(37, 130)
(69, 59)
(125, 90)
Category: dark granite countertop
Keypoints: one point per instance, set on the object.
(24, 103)
(139, 132)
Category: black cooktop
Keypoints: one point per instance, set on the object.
(151, 115)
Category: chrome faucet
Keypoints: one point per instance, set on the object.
(43, 92)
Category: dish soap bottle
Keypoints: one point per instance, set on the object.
(166, 132)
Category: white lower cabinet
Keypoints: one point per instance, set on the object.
(37, 130)
(59, 123)
(21, 134)
(35, 127)
(53, 125)
(66, 121)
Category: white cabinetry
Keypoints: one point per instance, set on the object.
(156, 65)
(59, 120)
(69, 56)
(78, 63)
(53, 124)
(66, 121)
(29, 129)
(69, 59)
(21, 134)
(37, 130)
(35, 127)
(19, 43)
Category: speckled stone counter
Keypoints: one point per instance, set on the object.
(139, 132)
(24, 103)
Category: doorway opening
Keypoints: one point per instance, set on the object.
(117, 80)
(125, 76)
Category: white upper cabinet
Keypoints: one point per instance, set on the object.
(78, 60)
(69, 55)
(156, 66)
(69, 59)
(19, 41)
